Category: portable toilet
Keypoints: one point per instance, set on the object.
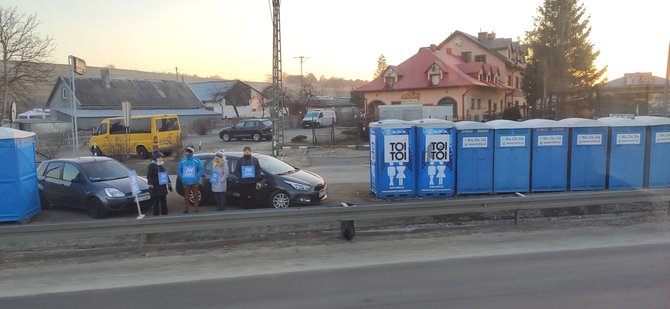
(626, 153)
(392, 171)
(549, 155)
(434, 159)
(18, 175)
(474, 157)
(511, 156)
(657, 165)
(587, 154)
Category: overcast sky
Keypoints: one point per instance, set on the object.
(344, 38)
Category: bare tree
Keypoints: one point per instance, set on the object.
(24, 53)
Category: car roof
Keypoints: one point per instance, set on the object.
(80, 160)
(209, 155)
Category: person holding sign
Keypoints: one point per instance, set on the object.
(248, 171)
(159, 184)
(218, 179)
(190, 170)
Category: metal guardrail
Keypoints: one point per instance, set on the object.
(319, 214)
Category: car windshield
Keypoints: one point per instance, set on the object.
(104, 170)
(275, 167)
(312, 114)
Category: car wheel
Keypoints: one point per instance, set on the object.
(279, 199)
(225, 137)
(44, 203)
(142, 152)
(95, 150)
(256, 137)
(96, 209)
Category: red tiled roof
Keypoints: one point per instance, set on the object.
(412, 73)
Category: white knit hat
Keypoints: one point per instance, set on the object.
(220, 153)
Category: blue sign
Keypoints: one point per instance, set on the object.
(214, 178)
(163, 178)
(248, 171)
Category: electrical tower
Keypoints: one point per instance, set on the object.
(277, 111)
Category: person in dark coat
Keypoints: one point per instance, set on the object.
(248, 171)
(159, 184)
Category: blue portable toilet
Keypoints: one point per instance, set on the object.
(626, 153)
(18, 175)
(657, 163)
(549, 155)
(392, 168)
(511, 156)
(587, 159)
(434, 159)
(474, 157)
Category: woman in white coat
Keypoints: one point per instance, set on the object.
(218, 179)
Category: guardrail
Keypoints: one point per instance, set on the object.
(320, 214)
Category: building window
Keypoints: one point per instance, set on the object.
(476, 117)
(489, 105)
(63, 93)
(495, 107)
(516, 103)
(480, 58)
(466, 56)
(472, 104)
(435, 79)
(479, 103)
(480, 76)
(516, 81)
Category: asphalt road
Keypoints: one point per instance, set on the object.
(614, 277)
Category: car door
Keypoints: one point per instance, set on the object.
(52, 182)
(237, 130)
(232, 188)
(73, 187)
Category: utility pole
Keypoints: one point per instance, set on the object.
(176, 74)
(277, 110)
(302, 79)
(667, 85)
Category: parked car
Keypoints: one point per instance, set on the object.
(255, 129)
(100, 185)
(283, 184)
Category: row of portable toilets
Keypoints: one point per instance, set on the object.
(432, 157)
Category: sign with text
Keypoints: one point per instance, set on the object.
(396, 148)
(513, 141)
(662, 137)
(589, 139)
(476, 142)
(437, 148)
(79, 65)
(550, 140)
(628, 139)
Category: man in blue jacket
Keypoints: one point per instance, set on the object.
(190, 170)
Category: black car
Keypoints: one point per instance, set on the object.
(100, 185)
(255, 129)
(283, 184)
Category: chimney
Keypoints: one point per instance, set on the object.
(433, 47)
(482, 36)
(491, 36)
(104, 75)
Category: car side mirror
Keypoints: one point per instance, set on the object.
(78, 178)
(94, 131)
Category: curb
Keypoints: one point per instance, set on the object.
(338, 146)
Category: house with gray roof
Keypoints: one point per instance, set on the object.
(99, 98)
(231, 99)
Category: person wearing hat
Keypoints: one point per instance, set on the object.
(218, 179)
(190, 170)
(159, 184)
(248, 171)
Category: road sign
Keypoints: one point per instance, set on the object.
(79, 65)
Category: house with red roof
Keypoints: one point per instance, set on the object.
(447, 75)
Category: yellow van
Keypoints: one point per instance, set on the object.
(146, 134)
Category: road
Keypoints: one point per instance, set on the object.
(615, 262)
(618, 277)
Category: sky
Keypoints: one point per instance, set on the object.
(344, 38)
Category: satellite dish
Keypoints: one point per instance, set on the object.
(12, 115)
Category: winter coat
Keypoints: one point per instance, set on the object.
(152, 179)
(244, 161)
(190, 170)
(222, 183)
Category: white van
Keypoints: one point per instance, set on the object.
(319, 118)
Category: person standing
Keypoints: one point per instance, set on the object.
(159, 184)
(248, 171)
(218, 179)
(190, 170)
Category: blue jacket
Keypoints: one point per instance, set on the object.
(190, 170)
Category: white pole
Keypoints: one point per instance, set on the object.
(75, 133)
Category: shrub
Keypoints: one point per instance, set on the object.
(299, 138)
(202, 126)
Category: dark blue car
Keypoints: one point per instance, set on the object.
(100, 185)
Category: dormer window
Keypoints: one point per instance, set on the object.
(434, 74)
(390, 77)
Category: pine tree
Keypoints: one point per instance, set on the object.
(560, 69)
(381, 66)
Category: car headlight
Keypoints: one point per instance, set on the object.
(114, 192)
(297, 186)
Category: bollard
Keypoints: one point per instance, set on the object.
(347, 228)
